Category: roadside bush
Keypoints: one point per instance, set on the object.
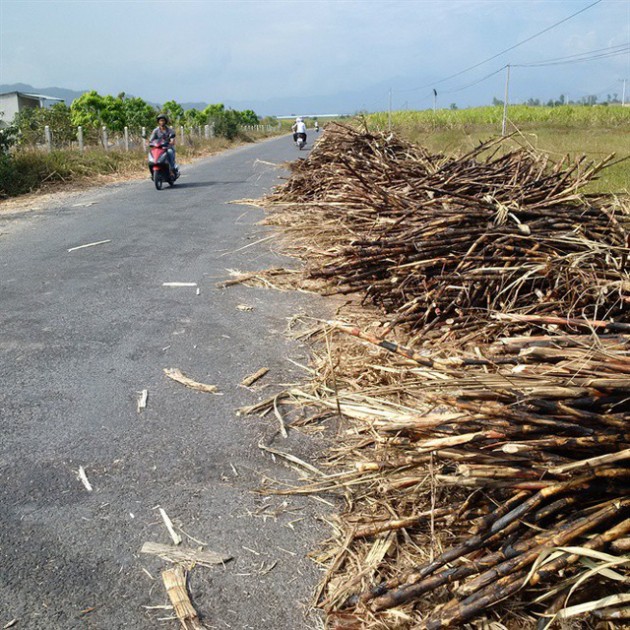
(30, 124)
(8, 137)
(226, 124)
(7, 175)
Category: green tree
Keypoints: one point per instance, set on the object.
(175, 112)
(87, 110)
(59, 119)
(194, 118)
(226, 125)
(213, 111)
(92, 111)
(248, 117)
(138, 113)
(29, 127)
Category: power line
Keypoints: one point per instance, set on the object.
(611, 51)
(465, 87)
(574, 58)
(524, 41)
(618, 47)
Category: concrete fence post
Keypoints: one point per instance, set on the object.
(105, 138)
(126, 138)
(181, 134)
(212, 130)
(143, 133)
(206, 131)
(80, 138)
(48, 137)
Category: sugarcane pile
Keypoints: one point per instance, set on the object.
(430, 238)
(541, 447)
(487, 477)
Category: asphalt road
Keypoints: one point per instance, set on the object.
(81, 333)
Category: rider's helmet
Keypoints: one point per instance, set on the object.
(162, 115)
(299, 119)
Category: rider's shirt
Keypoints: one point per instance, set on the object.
(163, 135)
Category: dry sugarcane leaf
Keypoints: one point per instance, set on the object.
(185, 554)
(592, 606)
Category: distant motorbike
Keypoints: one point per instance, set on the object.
(300, 140)
(159, 166)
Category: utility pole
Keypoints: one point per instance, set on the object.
(434, 100)
(623, 93)
(505, 101)
(389, 115)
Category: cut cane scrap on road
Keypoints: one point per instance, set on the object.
(74, 249)
(176, 374)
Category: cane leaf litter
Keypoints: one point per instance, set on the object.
(476, 379)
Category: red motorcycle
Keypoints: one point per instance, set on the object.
(159, 166)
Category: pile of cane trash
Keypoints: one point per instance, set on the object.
(480, 378)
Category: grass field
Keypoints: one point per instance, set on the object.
(558, 131)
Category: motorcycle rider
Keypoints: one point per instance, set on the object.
(316, 126)
(165, 135)
(298, 128)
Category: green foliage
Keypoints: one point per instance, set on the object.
(226, 121)
(29, 125)
(8, 137)
(138, 113)
(59, 120)
(213, 111)
(87, 110)
(521, 116)
(559, 131)
(175, 112)
(226, 125)
(92, 111)
(7, 175)
(194, 118)
(248, 117)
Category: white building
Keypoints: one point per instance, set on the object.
(13, 102)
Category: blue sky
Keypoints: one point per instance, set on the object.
(348, 52)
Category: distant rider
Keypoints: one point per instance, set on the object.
(164, 134)
(299, 128)
(316, 126)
